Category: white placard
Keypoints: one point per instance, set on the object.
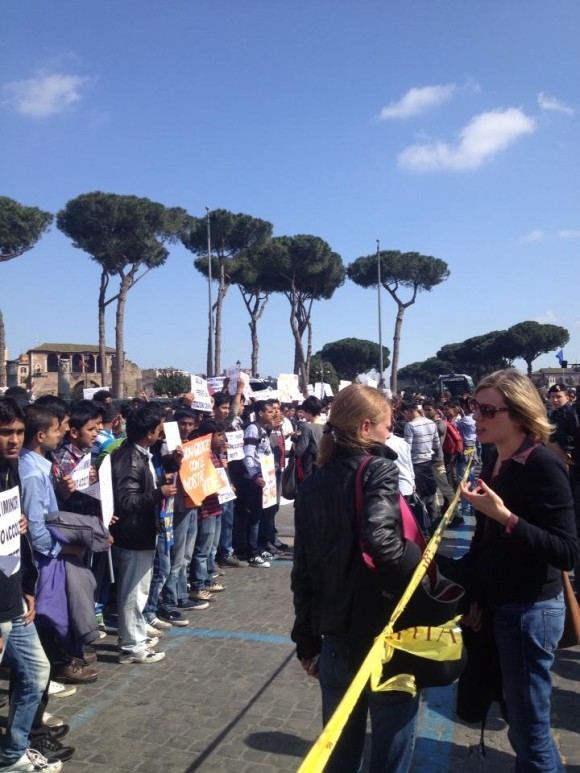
(216, 383)
(201, 398)
(89, 393)
(81, 472)
(10, 531)
(106, 487)
(233, 374)
(343, 384)
(226, 492)
(322, 390)
(371, 382)
(269, 493)
(235, 448)
(172, 436)
(288, 389)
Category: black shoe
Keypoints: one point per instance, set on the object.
(457, 520)
(55, 733)
(53, 750)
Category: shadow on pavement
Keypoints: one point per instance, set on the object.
(278, 742)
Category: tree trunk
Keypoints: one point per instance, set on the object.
(529, 364)
(299, 360)
(119, 371)
(396, 344)
(102, 330)
(222, 290)
(309, 352)
(3, 381)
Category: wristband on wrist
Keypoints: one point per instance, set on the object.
(511, 523)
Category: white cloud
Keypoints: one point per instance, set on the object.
(45, 95)
(569, 234)
(417, 100)
(547, 102)
(484, 137)
(533, 236)
(548, 318)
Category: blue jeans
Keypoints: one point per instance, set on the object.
(134, 571)
(203, 545)
(393, 724)
(170, 593)
(527, 636)
(214, 548)
(190, 540)
(225, 549)
(161, 569)
(30, 672)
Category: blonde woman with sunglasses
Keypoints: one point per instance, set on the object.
(525, 536)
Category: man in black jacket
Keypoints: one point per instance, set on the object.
(137, 504)
(20, 646)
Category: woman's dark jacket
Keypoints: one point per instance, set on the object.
(526, 565)
(328, 568)
(137, 500)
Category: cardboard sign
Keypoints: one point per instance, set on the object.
(106, 490)
(10, 531)
(288, 389)
(235, 448)
(81, 472)
(197, 473)
(226, 492)
(172, 436)
(269, 492)
(88, 394)
(201, 398)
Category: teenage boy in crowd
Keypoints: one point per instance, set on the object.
(42, 436)
(20, 647)
(137, 505)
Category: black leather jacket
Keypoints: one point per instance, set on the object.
(137, 500)
(328, 572)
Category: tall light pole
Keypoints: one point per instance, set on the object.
(209, 300)
(381, 364)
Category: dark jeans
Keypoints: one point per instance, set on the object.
(393, 724)
(251, 501)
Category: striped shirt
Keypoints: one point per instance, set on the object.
(421, 434)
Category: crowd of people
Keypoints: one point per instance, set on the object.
(162, 558)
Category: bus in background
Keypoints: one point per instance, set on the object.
(457, 384)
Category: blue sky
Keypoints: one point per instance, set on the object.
(443, 127)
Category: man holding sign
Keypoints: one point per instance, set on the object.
(20, 647)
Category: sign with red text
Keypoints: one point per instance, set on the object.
(197, 473)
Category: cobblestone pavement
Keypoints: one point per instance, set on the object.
(231, 696)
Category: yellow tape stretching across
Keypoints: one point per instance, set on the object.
(437, 643)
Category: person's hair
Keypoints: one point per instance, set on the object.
(108, 411)
(428, 404)
(273, 401)
(259, 407)
(521, 397)
(57, 405)
(221, 398)
(210, 426)
(410, 406)
(183, 413)
(37, 418)
(312, 405)
(350, 408)
(83, 411)
(556, 388)
(18, 394)
(10, 411)
(102, 395)
(141, 421)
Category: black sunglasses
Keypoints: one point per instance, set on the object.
(485, 410)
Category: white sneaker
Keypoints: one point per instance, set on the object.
(51, 721)
(154, 632)
(143, 656)
(58, 690)
(160, 625)
(151, 642)
(32, 760)
(259, 562)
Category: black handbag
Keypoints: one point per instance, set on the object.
(290, 478)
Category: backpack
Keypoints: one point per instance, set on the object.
(453, 442)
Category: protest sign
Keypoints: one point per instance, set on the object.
(88, 394)
(215, 383)
(226, 492)
(322, 390)
(288, 390)
(166, 518)
(235, 449)
(10, 531)
(81, 472)
(201, 399)
(343, 384)
(172, 436)
(106, 490)
(233, 374)
(197, 473)
(269, 494)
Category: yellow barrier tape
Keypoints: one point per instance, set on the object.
(383, 648)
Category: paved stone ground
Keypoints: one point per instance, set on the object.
(231, 696)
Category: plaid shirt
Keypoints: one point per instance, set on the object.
(64, 460)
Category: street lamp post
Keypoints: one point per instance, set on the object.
(381, 364)
(209, 299)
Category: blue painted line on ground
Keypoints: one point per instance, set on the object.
(436, 713)
(209, 633)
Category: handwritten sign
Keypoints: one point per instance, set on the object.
(215, 383)
(235, 448)
(10, 531)
(201, 398)
(89, 393)
(81, 472)
(288, 390)
(226, 492)
(172, 436)
(269, 493)
(197, 473)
